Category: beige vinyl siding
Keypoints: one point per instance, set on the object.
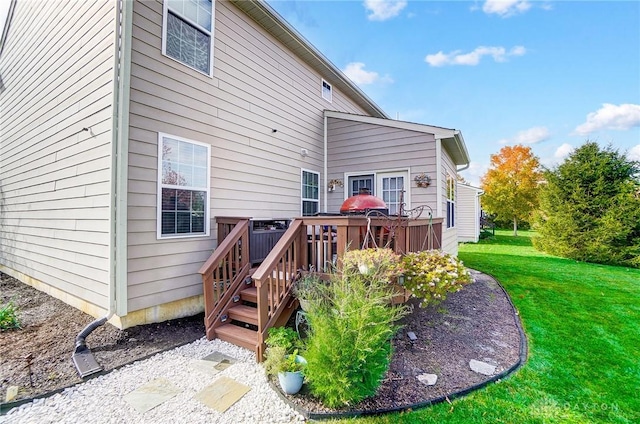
(257, 86)
(449, 235)
(57, 71)
(356, 147)
(468, 208)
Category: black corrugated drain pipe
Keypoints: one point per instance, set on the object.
(82, 357)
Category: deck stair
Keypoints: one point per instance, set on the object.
(232, 298)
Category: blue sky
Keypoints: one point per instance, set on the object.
(547, 74)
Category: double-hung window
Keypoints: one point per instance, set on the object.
(183, 187)
(451, 201)
(188, 33)
(310, 193)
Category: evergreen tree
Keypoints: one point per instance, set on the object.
(590, 208)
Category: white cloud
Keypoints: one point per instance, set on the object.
(563, 151)
(613, 117)
(356, 73)
(634, 153)
(381, 10)
(505, 8)
(499, 54)
(531, 136)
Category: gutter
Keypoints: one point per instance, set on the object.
(463, 149)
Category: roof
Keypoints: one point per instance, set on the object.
(451, 139)
(265, 16)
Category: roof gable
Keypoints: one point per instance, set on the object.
(452, 139)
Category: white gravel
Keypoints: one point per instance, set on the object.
(100, 400)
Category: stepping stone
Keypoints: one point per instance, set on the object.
(222, 394)
(428, 379)
(219, 357)
(151, 395)
(223, 365)
(482, 367)
(207, 367)
(12, 392)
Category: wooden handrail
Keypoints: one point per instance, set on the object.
(223, 274)
(224, 247)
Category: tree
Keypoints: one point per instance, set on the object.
(590, 208)
(511, 185)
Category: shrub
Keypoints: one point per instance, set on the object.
(283, 337)
(431, 274)
(309, 287)
(9, 317)
(349, 342)
(374, 264)
(590, 208)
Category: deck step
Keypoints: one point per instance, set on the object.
(238, 335)
(244, 313)
(249, 294)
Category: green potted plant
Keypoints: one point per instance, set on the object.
(282, 359)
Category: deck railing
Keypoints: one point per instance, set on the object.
(225, 270)
(318, 243)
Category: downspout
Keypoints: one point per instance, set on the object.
(438, 178)
(326, 163)
(120, 138)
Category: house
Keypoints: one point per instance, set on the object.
(469, 213)
(133, 133)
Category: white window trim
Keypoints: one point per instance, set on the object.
(304, 199)
(450, 177)
(377, 175)
(165, 11)
(207, 208)
(330, 99)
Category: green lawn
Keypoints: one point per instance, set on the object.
(583, 326)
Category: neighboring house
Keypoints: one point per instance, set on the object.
(469, 213)
(129, 128)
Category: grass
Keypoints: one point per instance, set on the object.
(583, 326)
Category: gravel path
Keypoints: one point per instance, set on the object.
(100, 400)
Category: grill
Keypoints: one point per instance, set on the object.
(362, 203)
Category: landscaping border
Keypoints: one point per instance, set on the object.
(522, 358)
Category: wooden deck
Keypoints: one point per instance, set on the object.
(242, 303)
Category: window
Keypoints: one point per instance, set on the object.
(359, 182)
(310, 193)
(326, 91)
(188, 36)
(183, 187)
(391, 190)
(451, 201)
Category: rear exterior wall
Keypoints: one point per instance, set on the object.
(258, 86)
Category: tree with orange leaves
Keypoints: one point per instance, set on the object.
(511, 185)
